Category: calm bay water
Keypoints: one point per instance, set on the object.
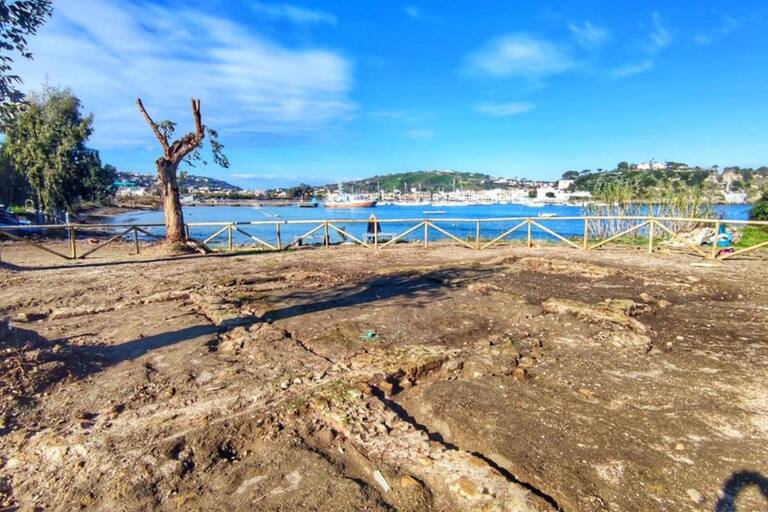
(289, 232)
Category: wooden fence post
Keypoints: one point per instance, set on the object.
(477, 235)
(327, 235)
(651, 228)
(229, 237)
(585, 242)
(713, 254)
(426, 234)
(530, 236)
(72, 243)
(279, 237)
(375, 232)
(136, 239)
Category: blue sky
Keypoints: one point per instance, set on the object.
(322, 90)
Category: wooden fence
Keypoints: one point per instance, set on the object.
(652, 230)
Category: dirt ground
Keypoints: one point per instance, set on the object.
(403, 379)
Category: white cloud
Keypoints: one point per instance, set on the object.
(111, 52)
(294, 13)
(588, 35)
(412, 12)
(503, 109)
(420, 133)
(659, 36)
(519, 55)
(726, 27)
(632, 69)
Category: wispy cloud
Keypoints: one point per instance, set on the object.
(634, 68)
(412, 12)
(111, 52)
(659, 36)
(520, 55)
(293, 13)
(420, 133)
(588, 35)
(503, 109)
(727, 25)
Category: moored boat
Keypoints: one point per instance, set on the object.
(344, 200)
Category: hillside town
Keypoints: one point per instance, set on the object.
(731, 185)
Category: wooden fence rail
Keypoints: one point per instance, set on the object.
(656, 229)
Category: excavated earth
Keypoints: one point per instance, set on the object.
(512, 379)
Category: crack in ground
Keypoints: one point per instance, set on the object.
(303, 345)
(437, 437)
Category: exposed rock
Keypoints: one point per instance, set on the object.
(61, 313)
(482, 288)
(617, 311)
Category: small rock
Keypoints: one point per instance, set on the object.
(586, 393)
(285, 384)
(695, 495)
(519, 373)
(466, 487)
(379, 478)
(680, 447)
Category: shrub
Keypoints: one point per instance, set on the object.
(760, 210)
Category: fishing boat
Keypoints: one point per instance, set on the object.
(343, 200)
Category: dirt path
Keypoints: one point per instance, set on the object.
(408, 379)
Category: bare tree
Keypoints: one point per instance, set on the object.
(184, 149)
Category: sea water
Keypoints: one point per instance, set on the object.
(277, 216)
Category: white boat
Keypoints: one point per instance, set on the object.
(344, 200)
(547, 215)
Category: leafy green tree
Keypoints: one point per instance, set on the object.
(622, 166)
(46, 142)
(570, 175)
(13, 185)
(100, 184)
(19, 19)
(300, 191)
(760, 210)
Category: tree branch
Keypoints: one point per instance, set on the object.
(160, 137)
(198, 119)
(191, 141)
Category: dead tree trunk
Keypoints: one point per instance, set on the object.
(167, 166)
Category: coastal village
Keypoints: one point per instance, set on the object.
(731, 185)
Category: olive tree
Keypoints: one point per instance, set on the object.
(184, 149)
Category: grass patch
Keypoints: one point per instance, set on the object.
(753, 235)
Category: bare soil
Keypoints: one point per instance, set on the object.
(403, 379)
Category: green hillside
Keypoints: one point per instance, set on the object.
(648, 184)
(425, 180)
